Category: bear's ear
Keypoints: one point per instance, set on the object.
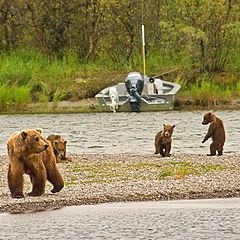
(24, 134)
(39, 130)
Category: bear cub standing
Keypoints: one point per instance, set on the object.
(30, 153)
(216, 132)
(163, 140)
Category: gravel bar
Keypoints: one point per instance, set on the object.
(100, 178)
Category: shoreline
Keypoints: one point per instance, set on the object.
(90, 105)
(102, 178)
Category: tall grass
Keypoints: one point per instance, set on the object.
(207, 92)
(21, 95)
(14, 97)
(6, 97)
(27, 75)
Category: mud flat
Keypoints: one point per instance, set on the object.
(99, 178)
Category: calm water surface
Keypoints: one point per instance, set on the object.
(173, 220)
(124, 132)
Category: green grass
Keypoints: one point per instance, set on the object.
(210, 90)
(40, 79)
(182, 169)
(111, 172)
(14, 97)
(207, 90)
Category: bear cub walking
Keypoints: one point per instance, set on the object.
(216, 132)
(163, 140)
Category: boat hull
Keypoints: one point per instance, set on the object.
(159, 104)
(149, 102)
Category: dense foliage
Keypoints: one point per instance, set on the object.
(49, 43)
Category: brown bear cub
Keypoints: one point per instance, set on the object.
(59, 147)
(216, 132)
(163, 140)
(30, 153)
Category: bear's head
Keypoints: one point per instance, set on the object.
(59, 145)
(168, 130)
(208, 117)
(33, 141)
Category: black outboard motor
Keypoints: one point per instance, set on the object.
(134, 83)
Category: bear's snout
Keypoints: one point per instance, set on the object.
(167, 134)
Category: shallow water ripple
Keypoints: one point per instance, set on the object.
(186, 219)
(125, 132)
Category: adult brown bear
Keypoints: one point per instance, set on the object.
(163, 140)
(216, 131)
(29, 153)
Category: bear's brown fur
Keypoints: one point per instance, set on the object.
(59, 146)
(29, 153)
(163, 140)
(216, 132)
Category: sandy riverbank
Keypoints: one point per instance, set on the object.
(90, 105)
(91, 179)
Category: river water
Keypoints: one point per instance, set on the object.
(127, 133)
(173, 220)
(124, 132)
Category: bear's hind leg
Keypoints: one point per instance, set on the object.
(168, 149)
(162, 151)
(220, 151)
(213, 150)
(15, 180)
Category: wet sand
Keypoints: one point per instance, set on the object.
(99, 178)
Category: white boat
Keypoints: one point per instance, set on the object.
(138, 93)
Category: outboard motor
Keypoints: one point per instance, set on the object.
(134, 83)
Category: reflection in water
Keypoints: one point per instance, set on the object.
(124, 132)
(186, 219)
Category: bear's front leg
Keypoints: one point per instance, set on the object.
(210, 132)
(168, 149)
(54, 177)
(157, 146)
(15, 179)
(206, 138)
(38, 176)
(38, 186)
(53, 174)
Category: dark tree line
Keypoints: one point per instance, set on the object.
(207, 31)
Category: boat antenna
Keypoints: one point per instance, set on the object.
(143, 51)
(143, 43)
